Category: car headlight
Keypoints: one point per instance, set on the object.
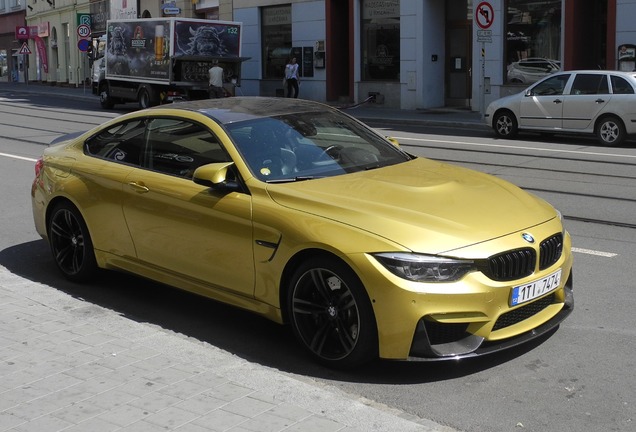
(425, 268)
(562, 220)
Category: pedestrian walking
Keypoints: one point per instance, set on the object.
(291, 78)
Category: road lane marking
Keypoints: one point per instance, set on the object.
(594, 252)
(18, 157)
(517, 147)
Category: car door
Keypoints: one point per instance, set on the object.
(111, 155)
(542, 107)
(588, 95)
(183, 228)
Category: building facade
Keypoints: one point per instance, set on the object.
(11, 17)
(429, 53)
(406, 54)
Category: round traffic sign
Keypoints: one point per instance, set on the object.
(83, 44)
(484, 15)
(83, 30)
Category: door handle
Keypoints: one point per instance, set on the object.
(599, 101)
(557, 101)
(139, 188)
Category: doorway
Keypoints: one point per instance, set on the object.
(339, 61)
(589, 31)
(459, 59)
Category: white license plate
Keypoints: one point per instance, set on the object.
(532, 290)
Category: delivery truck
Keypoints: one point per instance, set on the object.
(154, 61)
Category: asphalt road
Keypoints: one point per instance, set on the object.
(579, 378)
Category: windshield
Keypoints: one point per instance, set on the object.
(310, 145)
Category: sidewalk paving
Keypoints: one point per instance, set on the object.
(67, 364)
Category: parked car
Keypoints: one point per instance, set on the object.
(531, 69)
(589, 102)
(298, 212)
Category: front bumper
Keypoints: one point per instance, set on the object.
(437, 341)
(472, 316)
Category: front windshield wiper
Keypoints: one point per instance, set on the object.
(293, 179)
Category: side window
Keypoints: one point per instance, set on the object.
(620, 85)
(178, 147)
(121, 143)
(552, 86)
(590, 84)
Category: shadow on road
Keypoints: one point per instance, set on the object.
(241, 333)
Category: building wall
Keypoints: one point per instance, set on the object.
(8, 22)
(66, 63)
(251, 68)
(422, 26)
(625, 22)
(490, 65)
(308, 26)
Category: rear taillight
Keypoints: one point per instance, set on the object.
(38, 167)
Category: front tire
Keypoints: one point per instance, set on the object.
(611, 131)
(71, 243)
(104, 97)
(331, 315)
(505, 124)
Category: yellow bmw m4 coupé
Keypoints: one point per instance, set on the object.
(298, 212)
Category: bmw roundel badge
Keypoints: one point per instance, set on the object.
(528, 237)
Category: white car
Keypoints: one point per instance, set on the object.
(532, 69)
(587, 101)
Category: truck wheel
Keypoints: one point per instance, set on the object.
(147, 98)
(104, 97)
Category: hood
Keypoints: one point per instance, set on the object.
(424, 205)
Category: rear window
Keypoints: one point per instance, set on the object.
(621, 86)
(590, 84)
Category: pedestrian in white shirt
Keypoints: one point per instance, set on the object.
(216, 80)
(291, 77)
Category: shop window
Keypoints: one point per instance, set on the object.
(276, 40)
(380, 40)
(533, 36)
(4, 67)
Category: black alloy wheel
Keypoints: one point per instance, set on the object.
(71, 243)
(331, 314)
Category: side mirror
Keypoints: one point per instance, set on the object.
(393, 141)
(214, 176)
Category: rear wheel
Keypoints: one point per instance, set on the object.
(147, 98)
(505, 124)
(331, 315)
(71, 243)
(611, 131)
